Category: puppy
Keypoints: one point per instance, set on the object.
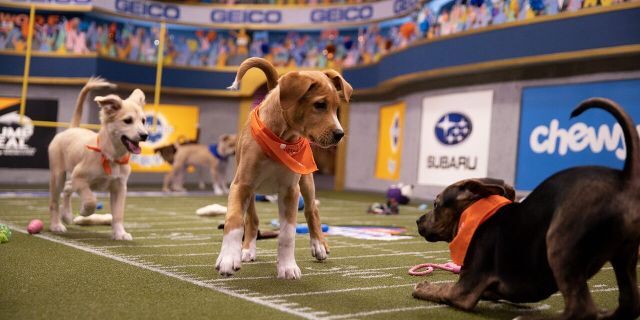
(214, 158)
(96, 161)
(300, 105)
(556, 239)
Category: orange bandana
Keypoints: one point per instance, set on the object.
(296, 156)
(105, 161)
(470, 220)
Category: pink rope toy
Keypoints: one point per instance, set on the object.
(429, 267)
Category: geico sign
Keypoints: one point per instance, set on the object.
(404, 5)
(246, 16)
(149, 9)
(553, 139)
(348, 14)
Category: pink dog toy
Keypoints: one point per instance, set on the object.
(429, 267)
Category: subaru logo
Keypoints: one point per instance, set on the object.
(453, 128)
(162, 131)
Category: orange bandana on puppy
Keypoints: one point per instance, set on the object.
(296, 156)
(470, 220)
(105, 161)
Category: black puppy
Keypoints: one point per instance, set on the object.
(556, 239)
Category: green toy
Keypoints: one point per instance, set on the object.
(5, 233)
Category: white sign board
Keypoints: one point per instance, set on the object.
(454, 142)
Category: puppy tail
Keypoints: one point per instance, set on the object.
(631, 170)
(92, 84)
(260, 63)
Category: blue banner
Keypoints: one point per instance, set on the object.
(550, 142)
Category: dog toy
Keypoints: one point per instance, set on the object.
(303, 228)
(99, 206)
(429, 267)
(35, 226)
(94, 220)
(5, 233)
(212, 210)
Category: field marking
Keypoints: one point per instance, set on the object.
(178, 276)
(161, 245)
(311, 293)
(381, 311)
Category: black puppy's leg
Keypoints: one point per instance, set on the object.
(463, 294)
(572, 283)
(624, 264)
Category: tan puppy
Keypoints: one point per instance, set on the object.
(202, 156)
(299, 104)
(96, 161)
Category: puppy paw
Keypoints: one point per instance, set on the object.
(122, 236)
(67, 218)
(289, 271)
(249, 255)
(58, 228)
(228, 263)
(318, 249)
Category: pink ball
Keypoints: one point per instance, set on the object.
(35, 226)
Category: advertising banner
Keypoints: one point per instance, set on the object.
(390, 141)
(550, 142)
(262, 17)
(173, 122)
(25, 145)
(454, 143)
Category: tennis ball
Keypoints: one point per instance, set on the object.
(5, 233)
(35, 226)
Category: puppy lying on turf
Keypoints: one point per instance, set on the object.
(96, 161)
(274, 156)
(556, 239)
(213, 157)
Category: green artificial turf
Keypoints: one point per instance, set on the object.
(361, 279)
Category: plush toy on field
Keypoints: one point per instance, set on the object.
(397, 194)
(5, 233)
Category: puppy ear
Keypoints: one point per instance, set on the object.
(138, 97)
(340, 84)
(110, 103)
(487, 186)
(293, 86)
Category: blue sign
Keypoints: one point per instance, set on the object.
(550, 142)
(453, 128)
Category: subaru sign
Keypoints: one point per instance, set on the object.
(550, 141)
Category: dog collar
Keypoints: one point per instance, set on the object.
(213, 148)
(297, 155)
(470, 220)
(105, 161)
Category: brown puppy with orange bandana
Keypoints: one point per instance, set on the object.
(273, 156)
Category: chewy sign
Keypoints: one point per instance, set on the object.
(550, 141)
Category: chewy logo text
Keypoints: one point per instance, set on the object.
(578, 137)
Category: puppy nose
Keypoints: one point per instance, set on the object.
(337, 135)
(143, 137)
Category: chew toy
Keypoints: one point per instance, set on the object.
(5, 233)
(35, 226)
(429, 267)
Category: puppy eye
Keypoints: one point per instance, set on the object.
(144, 121)
(128, 120)
(320, 105)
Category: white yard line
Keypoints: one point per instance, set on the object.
(312, 293)
(308, 313)
(375, 312)
(160, 245)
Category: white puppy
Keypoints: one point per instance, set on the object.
(96, 161)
